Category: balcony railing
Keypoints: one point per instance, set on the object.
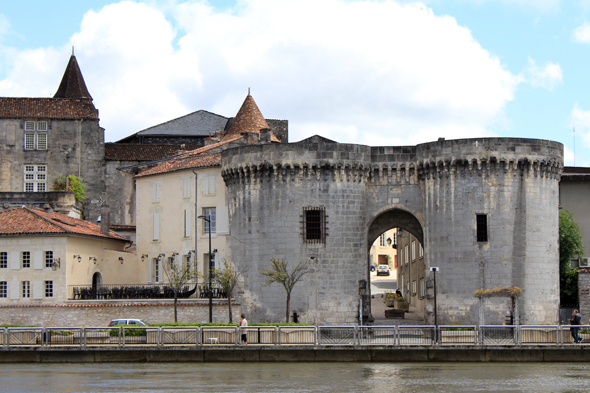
(138, 291)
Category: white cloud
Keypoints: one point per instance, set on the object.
(547, 77)
(581, 121)
(582, 33)
(364, 72)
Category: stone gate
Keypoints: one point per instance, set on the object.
(324, 203)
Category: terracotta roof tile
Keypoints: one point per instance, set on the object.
(139, 152)
(28, 221)
(248, 119)
(184, 162)
(47, 108)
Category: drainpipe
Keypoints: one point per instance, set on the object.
(196, 220)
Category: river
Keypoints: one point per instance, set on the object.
(297, 377)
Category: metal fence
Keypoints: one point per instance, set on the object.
(390, 336)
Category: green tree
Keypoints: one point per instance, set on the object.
(278, 273)
(70, 183)
(226, 279)
(570, 247)
(178, 275)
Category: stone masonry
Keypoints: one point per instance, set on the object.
(433, 190)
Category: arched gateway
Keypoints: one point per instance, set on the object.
(486, 211)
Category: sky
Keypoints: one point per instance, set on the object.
(372, 72)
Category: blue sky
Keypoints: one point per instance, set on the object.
(368, 72)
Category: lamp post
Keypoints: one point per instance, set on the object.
(210, 272)
(435, 269)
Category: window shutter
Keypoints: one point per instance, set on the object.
(186, 188)
(150, 273)
(212, 183)
(158, 191)
(153, 192)
(15, 260)
(14, 290)
(187, 222)
(156, 226)
(222, 221)
(37, 289)
(37, 260)
(205, 185)
(219, 257)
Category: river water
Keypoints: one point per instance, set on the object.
(297, 377)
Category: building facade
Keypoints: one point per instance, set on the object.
(43, 138)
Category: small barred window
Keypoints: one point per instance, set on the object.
(482, 227)
(314, 224)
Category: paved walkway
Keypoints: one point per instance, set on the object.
(378, 307)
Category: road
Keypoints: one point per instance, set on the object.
(381, 283)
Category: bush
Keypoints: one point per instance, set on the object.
(173, 324)
(128, 332)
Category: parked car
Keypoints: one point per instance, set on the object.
(383, 270)
(118, 322)
(372, 267)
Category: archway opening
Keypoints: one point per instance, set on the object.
(96, 281)
(395, 239)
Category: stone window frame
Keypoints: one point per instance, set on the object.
(3, 260)
(422, 288)
(3, 289)
(29, 141)
(413, 250)
(382, 241)
(314, 228)
(420, 251)
(481, 228)
(26, 289)
(414, 288)
(41, 141)
(29, 125)
(49, 288)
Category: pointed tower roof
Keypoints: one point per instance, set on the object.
(248, 119)
(72, 84)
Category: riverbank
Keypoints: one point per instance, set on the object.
(221, 353)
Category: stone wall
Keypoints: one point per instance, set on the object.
(97, 314)
(433, 190)
(584, 294)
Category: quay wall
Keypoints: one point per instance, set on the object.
(299, 354)
(100, 313)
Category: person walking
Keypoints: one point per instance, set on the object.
(576, 320)
(243, 324)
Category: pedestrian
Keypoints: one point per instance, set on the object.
(576, 320)
(244, 324)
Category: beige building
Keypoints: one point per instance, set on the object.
(43, 256)
(383, 251)
(411, 273)
(171, 195)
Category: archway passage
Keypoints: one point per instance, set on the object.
(407, 268)
(96, 281)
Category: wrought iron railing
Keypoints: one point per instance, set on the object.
(379, 336)
(139, 291)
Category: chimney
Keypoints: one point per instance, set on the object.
(105, 221)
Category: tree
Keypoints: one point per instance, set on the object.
(70, 183)
(178, 276)
(570, 247)
(279, 274)
(226, 279)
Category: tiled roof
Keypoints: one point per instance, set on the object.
(72, 83)
(203, 157)
(248, 119)
(47, 108)
(139, 152)
(199, 123)
(28, 221)
(185, 162)
(576, 169)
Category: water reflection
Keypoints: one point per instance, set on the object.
(296, 377)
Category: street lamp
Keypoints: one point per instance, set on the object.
(208, 220)
(435, 269)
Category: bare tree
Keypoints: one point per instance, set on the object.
(278, 273)
(178, 275)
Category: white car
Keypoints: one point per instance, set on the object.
(118, 322)
(383, 270)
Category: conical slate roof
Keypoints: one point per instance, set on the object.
(248, 119)
(72, 84)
